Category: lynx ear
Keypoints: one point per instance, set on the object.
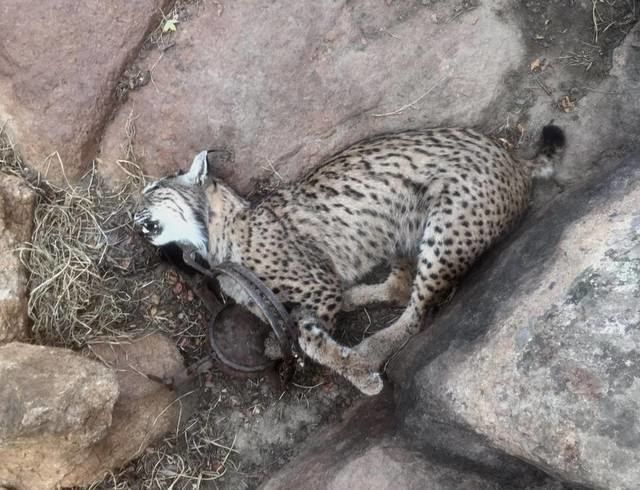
(197, 174)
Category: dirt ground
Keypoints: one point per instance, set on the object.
(234, 432)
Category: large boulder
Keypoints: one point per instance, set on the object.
(311, 78)
(60, 62)
(17, 203)
(364, 452)
(66, 419)
(54, 405)
(539, 351)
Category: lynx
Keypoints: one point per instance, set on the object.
(427, 203)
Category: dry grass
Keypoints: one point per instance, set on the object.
(78, 246)
(88, 279)
(583, 59)
(91, 277)
(77, 259)
(612, 15)
(11, 163)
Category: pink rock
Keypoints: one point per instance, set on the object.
(60, 61)
(17, 203)
(285, 84)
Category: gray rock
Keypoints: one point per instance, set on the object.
(311, 79)
(60, 61)
(539, 351)
(364, 452)
(17, 203)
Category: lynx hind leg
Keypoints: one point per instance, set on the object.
(396, 289)
(447, 249)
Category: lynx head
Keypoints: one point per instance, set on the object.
(174, 209)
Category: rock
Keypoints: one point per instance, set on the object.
(145, 410)
(17, 203)
(365, 452)
(59, 65)
(308, 81)
(76, 418)
(54, 405)
(538, 353)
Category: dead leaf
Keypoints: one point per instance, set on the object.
(536, 65)
(169, 25)
(567, 104)
(171, 277)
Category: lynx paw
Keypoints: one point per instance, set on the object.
(369, 383)
(312, 339)
(319, 346)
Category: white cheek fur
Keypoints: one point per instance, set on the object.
(177, 230)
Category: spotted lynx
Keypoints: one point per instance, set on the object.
(427, 203)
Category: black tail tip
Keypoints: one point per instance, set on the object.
(552, 138)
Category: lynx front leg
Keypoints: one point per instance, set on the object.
(319, 346)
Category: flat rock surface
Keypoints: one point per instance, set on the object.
(539, 350)
(310, 79)
(17, 203)
(60, 61)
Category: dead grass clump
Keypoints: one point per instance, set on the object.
(618, 15)
(77, 259)
(10, 161)
(75, 293)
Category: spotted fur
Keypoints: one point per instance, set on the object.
(428, 203)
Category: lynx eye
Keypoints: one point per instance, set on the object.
(150, 227)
